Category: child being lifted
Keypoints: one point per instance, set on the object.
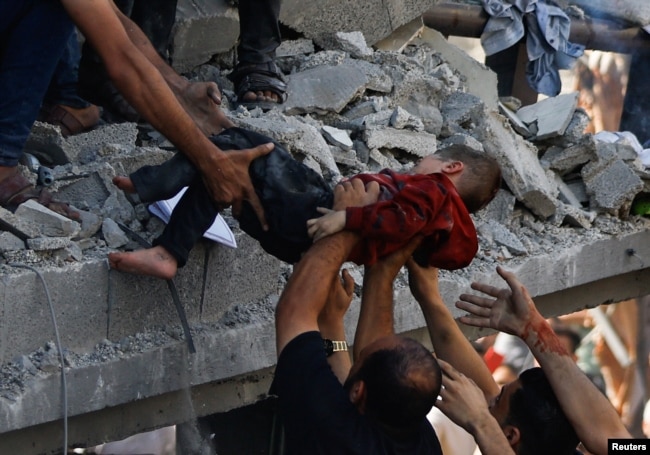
(433, 199)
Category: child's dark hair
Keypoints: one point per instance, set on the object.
(481, 178)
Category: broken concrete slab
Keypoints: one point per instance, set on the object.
(298, 137)
(114, 236)
(17, 225)
(569, 159)
(10, 242)
(520, 167)
(613, 188)
(354, 43)
(417, 143)
(551, 115)
(202, 29)
(502, 236)
(401, 36)
(337, 137)
(324, 89)
(48, 243)
(374, 18)
(48, 222)
(403, 119)
(479, 80)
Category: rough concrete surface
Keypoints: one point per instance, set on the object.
(125, 352)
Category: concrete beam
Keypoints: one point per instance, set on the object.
(231, 366)
(454, 19)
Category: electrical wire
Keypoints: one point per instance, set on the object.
(64, 391)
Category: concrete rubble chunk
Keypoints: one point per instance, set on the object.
(570, 215)
(566, 193)
(323, 58)
(292, 48)
(462, 139)
(520, 167)
(519, 126)
(48, 243)
(379, 119)
(418, 143)
(354, 43)
(462, 110)
(551, 115)
(571, 158)
(500, 208)
(378, 80)
(478, 79)
(403, 119)
(49, 222)
(374, 18)
(114, 236)
(299, 137)
(18, 226)
(502, 236)
(85, 147)
(202, 29)
(401, 36)
(613, 188)
(337, 137)
(10, 242)
(364, 108)
(324, 89)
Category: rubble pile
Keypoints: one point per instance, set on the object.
(351, 110)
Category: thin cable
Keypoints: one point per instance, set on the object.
(64, 391)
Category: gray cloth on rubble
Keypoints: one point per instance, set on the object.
(546, 28)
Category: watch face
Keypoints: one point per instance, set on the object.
(329, 347)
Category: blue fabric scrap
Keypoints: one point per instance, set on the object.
(546, 28)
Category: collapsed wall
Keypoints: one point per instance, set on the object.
(562, 221)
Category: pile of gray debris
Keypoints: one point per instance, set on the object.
(353, 109)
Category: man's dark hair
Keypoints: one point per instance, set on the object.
(402, 384)
(535, 411)
(481, 178)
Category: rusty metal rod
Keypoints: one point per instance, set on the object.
(457, 19)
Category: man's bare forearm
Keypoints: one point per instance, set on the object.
(594, 423)
(305, 295)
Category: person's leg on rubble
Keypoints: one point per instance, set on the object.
(258, 80)
(63, 106)
(33, 34)
(156, 19)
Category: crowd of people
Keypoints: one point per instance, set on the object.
(379, 403)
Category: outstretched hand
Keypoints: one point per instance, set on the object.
(511, 310)
(229, 183)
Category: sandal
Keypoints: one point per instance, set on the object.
(258, 77)
(16, 189)
(71, 120)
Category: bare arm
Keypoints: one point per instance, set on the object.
(464, 403)
(376, 314)
(307, 291)
(331, 324)
(143, 78)
(448, 341)
(513, 311)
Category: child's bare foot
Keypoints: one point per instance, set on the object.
(154, 261)
(124, 183)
